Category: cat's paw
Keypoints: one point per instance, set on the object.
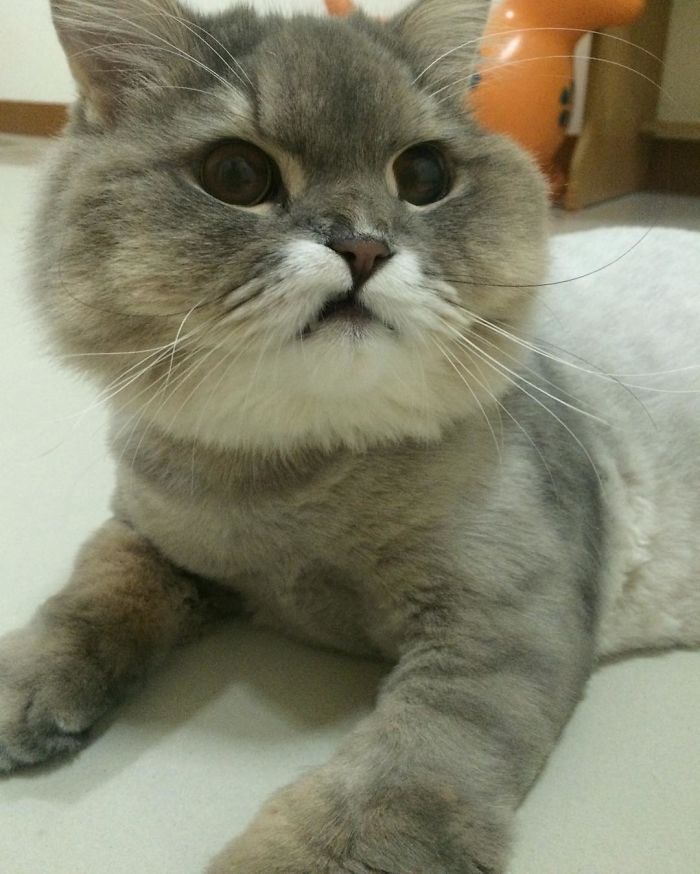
(50, 696)
(308, 828)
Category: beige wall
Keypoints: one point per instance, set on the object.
(680, 99)
(32, 66)
(31, 62)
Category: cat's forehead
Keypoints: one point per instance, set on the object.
(326, 90)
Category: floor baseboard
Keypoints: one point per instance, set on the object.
(32, 119)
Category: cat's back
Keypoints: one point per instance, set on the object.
(629, 335)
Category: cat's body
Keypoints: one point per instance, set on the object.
(307, 540)
(325, 425)
(631, 340)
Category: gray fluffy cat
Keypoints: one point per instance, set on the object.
(300, 273)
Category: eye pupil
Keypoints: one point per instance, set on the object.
(238, 173)
(422, 175)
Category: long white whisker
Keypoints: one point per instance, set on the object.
(167, 49)
(472, 345)
(176, 340)
(520, 61)
(187, 376)
(522, 30)
(264, 346)
(450, 360)
(517, 361)
(193, 28)
(497, 367)
(155, 384)
(600, 374)
(157, 392)
(557, 282)
(519, 425)
(118, 352)
(167, 46)
(117, 386)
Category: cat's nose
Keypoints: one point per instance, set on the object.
(364, 255)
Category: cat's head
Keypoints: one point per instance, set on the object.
(289, 229)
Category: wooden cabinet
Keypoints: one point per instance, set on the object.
(642, 115)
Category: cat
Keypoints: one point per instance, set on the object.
(302, 275)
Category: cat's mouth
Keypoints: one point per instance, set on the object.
(347, 310)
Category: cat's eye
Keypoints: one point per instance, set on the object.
(422, 174)
(238, 173)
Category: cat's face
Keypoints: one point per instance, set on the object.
(291, 222)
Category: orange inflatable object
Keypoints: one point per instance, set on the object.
(523, 86)
(524, 83)
(340, 7)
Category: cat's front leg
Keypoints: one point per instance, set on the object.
(124, 608)
(429, 784)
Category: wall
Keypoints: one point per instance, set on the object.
(32, 66)
(680, 97)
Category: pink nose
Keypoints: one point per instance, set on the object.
(363, 256)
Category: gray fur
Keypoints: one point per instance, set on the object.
(364, 492)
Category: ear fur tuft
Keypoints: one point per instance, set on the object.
(114, 46)
(443, 38)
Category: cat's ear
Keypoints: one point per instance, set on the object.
(114, 47)
(442, 39)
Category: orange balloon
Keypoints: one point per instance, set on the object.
(524, 83)
(340, 7)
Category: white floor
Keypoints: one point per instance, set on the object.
(183, 767)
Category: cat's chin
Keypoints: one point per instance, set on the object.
(348, 385)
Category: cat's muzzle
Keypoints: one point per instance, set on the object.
(346, 308)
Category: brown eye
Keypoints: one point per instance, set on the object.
(238, 173)
(422, 175)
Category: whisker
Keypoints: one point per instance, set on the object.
(175, 341)
(193, 28)
(166, 49)
(188, 376)
(506, 33)
(495, 366)
(162, 87)
(267, 339)
(521, 341)
(117, 352)
(450, 360)
(521, 363)
(520, 61)
(118, 385)
(522, 429)
(167, 46)
(157, 392)
(473, 282)
(472, 345)
(132, 374)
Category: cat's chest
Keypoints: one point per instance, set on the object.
(222, 536)
(301, 564)
(309, 549)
